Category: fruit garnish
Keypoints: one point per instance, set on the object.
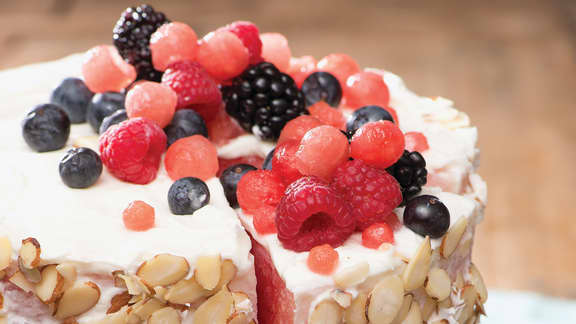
(297, 127)
(264, 220)
(250, 37)
(301, 68)
(283, 162)
(172, 43)
(223, 55)
(80, 168)
(151, 100)
(427, 215)
(328, 115)
(114, 119)
(322, 259)
(366, 88)
(187, 195)
(73, 96)
(416, 141)
(138, 216)
(275, 50)
(46, 128)
(193, 156)
(365, 115)
(340, 65)
(102, 106)
(104, 70)
(379, 144)
(377, 234)
(185, 123)
(259, 188)
(229, 180)
(410, 172)
(322, 86)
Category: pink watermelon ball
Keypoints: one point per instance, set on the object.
(151, 100)
(171, 43)
(301, 68)
(275, 50)
(223, 55)
(366, 88)
(105, 70)
(340, 65)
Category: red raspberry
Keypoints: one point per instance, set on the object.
(132, 150)
(377, 234)
(258, 189)
(250, 37)
(194, 87)
(283, 162)
(313, 213)
(380, 144)
(373, 193)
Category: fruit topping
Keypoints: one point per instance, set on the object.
(322, 259)
(104, 70)
(283, 162)
(321, 151)
(365, 115)
(427, 215)
(328, 115)
(416, 141)
(366, 88)
(187, 195)
(73, 96)
(151, 100)
(223, 128)
(377, 234)
(263, 100)
(267, 164)
(186, 122)
(373, 193)
(339, 65)
(275, 50)
(251, 159)
(264, 220)
(301, 67)
(297, 127)
(322, 86)
(260, 188)
(114, 119)
(410, 171)
(80, 168)
(229, 180)
(250, 37)
(132, 150)
(132, 38)
(46, 128)
(138, 216)
(171, 43)
(379, 144)
(312, 213)
(102, 106)
(223, 54)
(193, 156)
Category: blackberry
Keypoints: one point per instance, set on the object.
(132, 38)
(410, 172)
(263, 99)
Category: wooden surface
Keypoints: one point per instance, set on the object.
(510, 64)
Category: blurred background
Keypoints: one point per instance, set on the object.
(510, 64)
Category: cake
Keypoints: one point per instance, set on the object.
(225, 181)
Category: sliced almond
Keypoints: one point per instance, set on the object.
(385, 300)
(20, 281)
(417, 269)
(164, 270)
(406, 304)
(208, 271)
(1, 301)
(342, 298)
(446, 303)
(51, 286)
(166, 315)
(146, 307)
(118, 301)
(185, 291)
(238, 318)
(228, 273)
(478, 282)
(2, 274)
(352, 276)
(326, 312)
(459, 282)
(119, 281)
(120, 317)
(32, 275)
(428, 307)
(242, 302)
(474, 319)
(5, 253)
(468, 297)
(136, 286)
(438, 284)
(77, 300)
(69, 320)
(414, 315)
(442, 321)
(453, 237)
(216, 310)
(30, 253)
(68, 271)
(160, 293)
(356, 313)
(3, 320)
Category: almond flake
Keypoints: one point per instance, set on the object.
(185, 291)
(3, 320)
(344, 299)
(2, 274)
(146, 307)
(356, 313)
(118, 281)
(118, 301)
(5, 253)
(120, 317)
(415, 273)
(208, 271)
(414, 315)
(217, 309)
(30, 253)
(69, 320)
(50, 288)
(32, 275)
(468, 297)
(452, 238)
(68, 271)
(459, 282)
(385, 300)
(1, 301)
(160, 293)
(403, 312)
(238, 318)
(438, 284)
(228, 273)
(446, 303)
(77, 300)
(136, 286)
(442, 321)
(164, 270)
(166, 315)
(326, 312)
(20, 281)
(428, 307)
(242, 302)
(478, 282)
(352, 276)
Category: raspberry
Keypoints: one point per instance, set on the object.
(104, 70)
(283, 162)
(258, 189)
(223, 55)
(364, 89)
(195, 88)
(138, 216)
(264, 220)
(151, 100)
(250, 37)
(372, 193)
(340, 65)
(297, 127)
(328, 115)
(416, 141)
(321, 151)
(193, 156)
(275, 50)
(312, 213)
(379, 144)
(322, 259)
(377, 234)
(300, 68)
(171, 43)
(132, 150)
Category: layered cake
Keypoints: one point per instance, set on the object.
(171, 179)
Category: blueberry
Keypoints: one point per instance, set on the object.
(230, 178)
(73, 96)
(267, 165)
(186, 122)
(80, 167)
(426, 215)
(103, 105)
(46, 128)
(365, 115)
(116, 118)
(187, 195)
(322, 86)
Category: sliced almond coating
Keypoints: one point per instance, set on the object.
(51, 286)
(216, 310)
(146, 307)
(77, 300)
(208, 271)
(242, 302)
(406, 304)
(438, 284)
(415, 273)
(166, 315)
(32, 275)
(228, 273)
(3, 320)
(356, 313)
(478, 282)
(351, 276)
(5, 253)
(452, 238)
(442, 321)
(385, 300)
(480, 307)
(326, 312)
(30, 253)
(238, 318)
(118, 281)
(414, 315)
(164, 270)
(20, 281)
(69, 320)
(468, 297)
(68, 271)
(446, 303)
(342, 298)
(136, 286)
(120, 317)
(2, 274)
(160, 293)
(185, 291)
(1, 301)
(118, 301)
(428, 308)
(473, 320)
(459, 282)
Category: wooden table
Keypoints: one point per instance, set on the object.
(510, 64)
